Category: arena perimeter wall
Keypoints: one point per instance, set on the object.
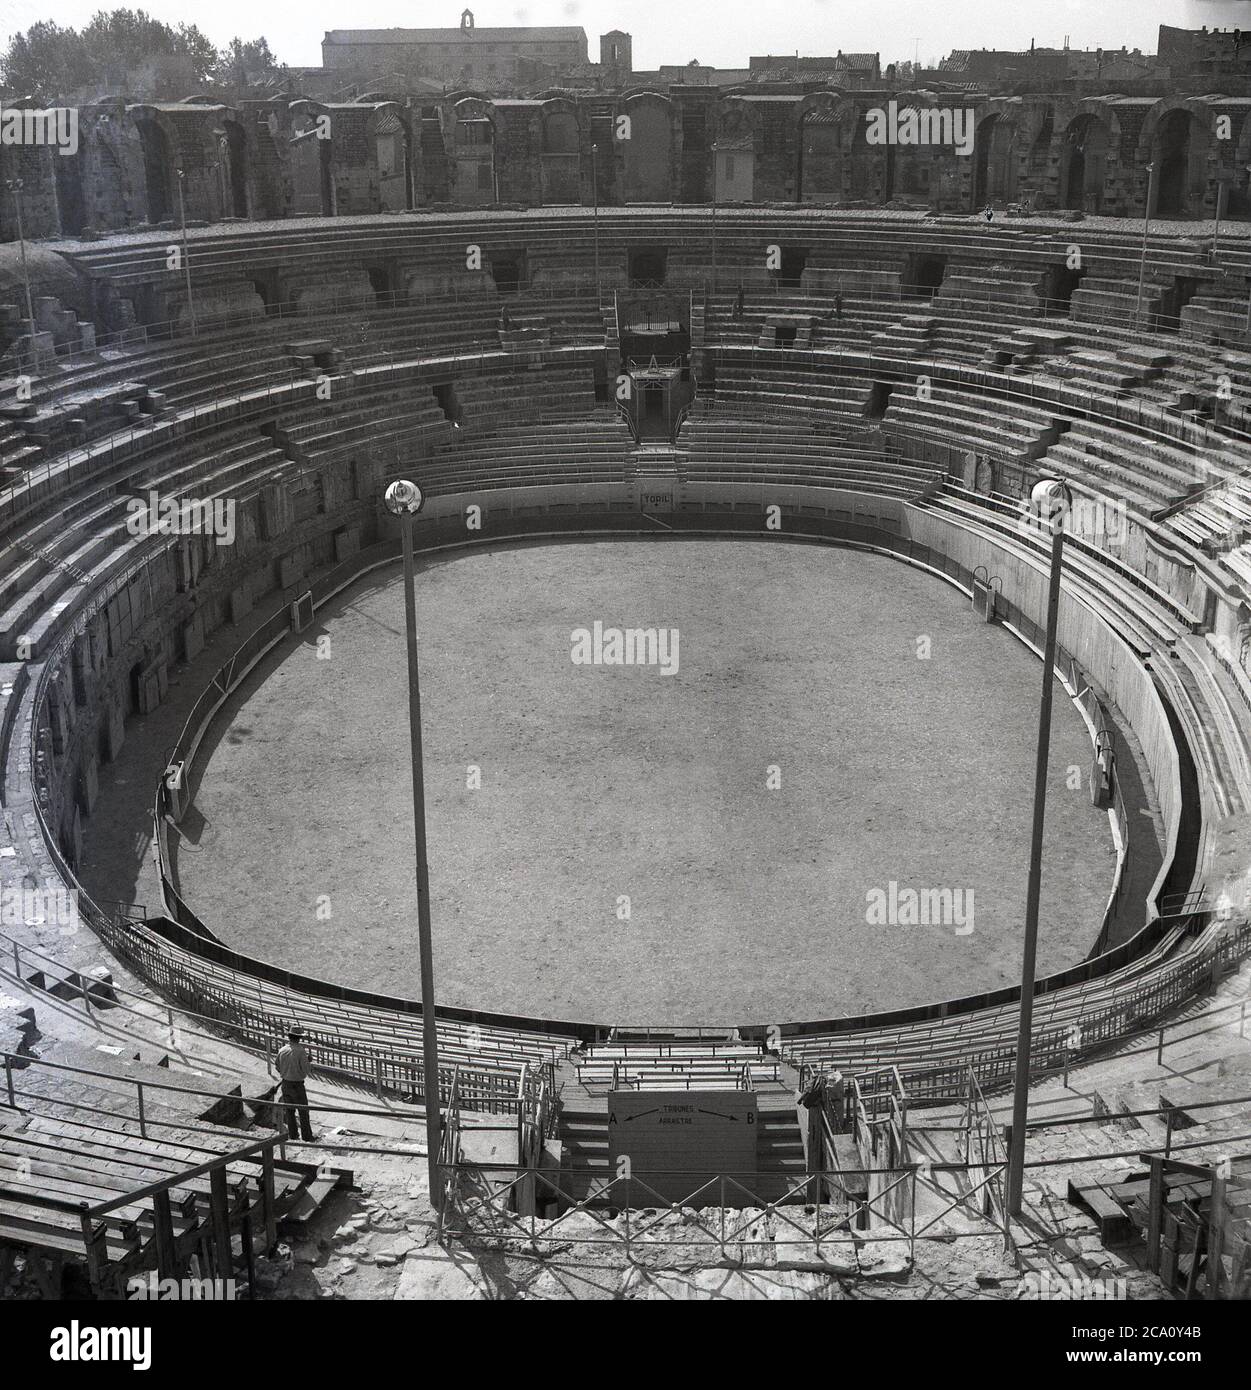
(910, 532)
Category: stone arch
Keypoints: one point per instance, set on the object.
(824, 125)
(432, 163)
(233, 149)
(158, 169)
(1086, 149)
(1038, 137)
(994, 165)
(647, 156)
(67, 174)
(393, 150)
(734, 160)
(106, 164)
(736, 119)
(1239, 201)
(912, 170)
(1176, 139)
(474, 176)
(561, 157)
(312, 160)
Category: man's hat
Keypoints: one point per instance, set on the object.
(295, 1031)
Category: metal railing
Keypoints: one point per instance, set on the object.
(278, 623)
(718, 1214)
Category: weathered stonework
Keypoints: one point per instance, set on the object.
(301, 157)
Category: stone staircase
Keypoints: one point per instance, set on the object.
(612, 332)
(1010, 284)
(1027, 348)
(657, 464)
(910, 337)
(1124, 369)
(525, 333)
(674, 1068)
(699, 335)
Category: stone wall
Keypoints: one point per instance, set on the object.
(283, 158)
(118, 665)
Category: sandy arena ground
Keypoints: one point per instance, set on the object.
(602, 783)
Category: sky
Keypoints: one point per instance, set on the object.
(723, 33)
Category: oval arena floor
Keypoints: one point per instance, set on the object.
(902, 729)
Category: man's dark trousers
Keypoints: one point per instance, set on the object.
(299, 1125)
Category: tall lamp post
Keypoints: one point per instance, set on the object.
(1216, 225)
(1142, 261)
(15, 188)
(404, 499)
(186, 254)
(1050, 501)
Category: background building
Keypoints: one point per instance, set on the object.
(467, 56)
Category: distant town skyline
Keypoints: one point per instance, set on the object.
(722, 33)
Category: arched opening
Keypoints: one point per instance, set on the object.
(888, 173)
(794, 261)
(266, 290)
(395, 186)
(111, 205)
(647, 151)
(560, 162)
(69, 193)
(914, 164)
(922, 275)
(1055, 290)
(234, 156)
(434, 161)
(312, 175)
(475, 161)
(1083, 164)
(1179, 152)
(646, 266)
(994, 178)
(879, 399)
(157, 171)
(508, 271)
(380, 284)
(862, 154)
(819, 178)
(1040, 152)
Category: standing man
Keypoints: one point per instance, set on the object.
(293, 1069)
(836, 1090)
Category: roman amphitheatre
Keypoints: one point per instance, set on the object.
(807, 437)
